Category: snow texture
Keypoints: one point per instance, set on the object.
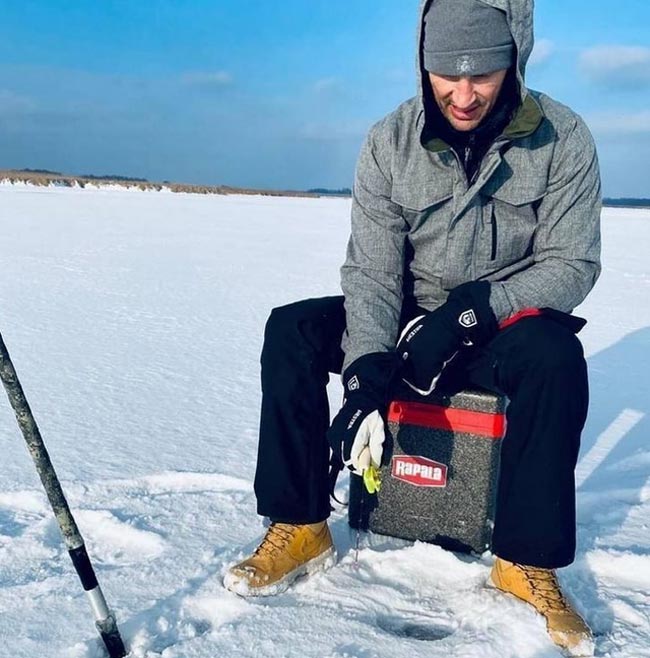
(135, 322)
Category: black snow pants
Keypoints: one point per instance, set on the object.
(537, 362)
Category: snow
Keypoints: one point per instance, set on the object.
(135, 322)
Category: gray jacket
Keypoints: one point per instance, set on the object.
(529, 224)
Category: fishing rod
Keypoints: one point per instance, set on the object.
(104, 618)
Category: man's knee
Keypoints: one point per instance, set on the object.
(544, 347)
(283, 323)
(303, 325)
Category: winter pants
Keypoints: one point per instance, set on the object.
(537, 362)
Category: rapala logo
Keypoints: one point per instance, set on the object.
(419, 471)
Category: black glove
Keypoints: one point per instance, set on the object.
(431, 341)
(357, 434)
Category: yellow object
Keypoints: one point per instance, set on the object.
(540, 588)
(371, 479)
(286, 552)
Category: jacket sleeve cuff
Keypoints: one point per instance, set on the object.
(499, 302)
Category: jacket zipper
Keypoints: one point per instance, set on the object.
(471, 144)
(461, 167)
(467, 154)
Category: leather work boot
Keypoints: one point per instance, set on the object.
(540, 588)
(286, 552)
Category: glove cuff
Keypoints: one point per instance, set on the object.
(372, 376)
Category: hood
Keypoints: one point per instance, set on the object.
(519, 14)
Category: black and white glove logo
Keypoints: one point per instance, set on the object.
(468, 319)
(353, 384)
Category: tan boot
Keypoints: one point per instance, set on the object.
(540, 588)
(286, 552)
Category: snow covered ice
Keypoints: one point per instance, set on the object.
(135, 321)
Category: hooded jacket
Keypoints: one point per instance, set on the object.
(529, 222)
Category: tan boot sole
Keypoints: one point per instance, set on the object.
(240, 586)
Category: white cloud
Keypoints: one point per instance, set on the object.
(400, 75)
(619, 123)
(620, 66)
(542, 50)
(333, 131)
(326, 85)
(208, 79)
(14, 104)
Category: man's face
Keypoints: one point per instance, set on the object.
(466, 100)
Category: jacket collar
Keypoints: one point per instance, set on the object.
(525, 122)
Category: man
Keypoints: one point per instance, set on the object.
(475, 232)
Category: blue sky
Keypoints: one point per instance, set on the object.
(278, 94)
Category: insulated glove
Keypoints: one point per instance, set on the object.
(357, 433)
(429, 342)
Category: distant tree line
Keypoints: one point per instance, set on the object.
(41, 171)
(627, 203)
(114, 177)
(48, 172)
(344, 191)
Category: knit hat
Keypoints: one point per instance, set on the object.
(466, 37)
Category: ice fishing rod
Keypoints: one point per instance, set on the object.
(104, 618)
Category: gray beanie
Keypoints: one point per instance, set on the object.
(466, 37)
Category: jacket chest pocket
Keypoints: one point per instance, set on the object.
(419, 196)
(508, 228)
(419, 200)
(427, 212)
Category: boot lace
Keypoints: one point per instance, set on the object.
(544, 585)
(277, 537)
